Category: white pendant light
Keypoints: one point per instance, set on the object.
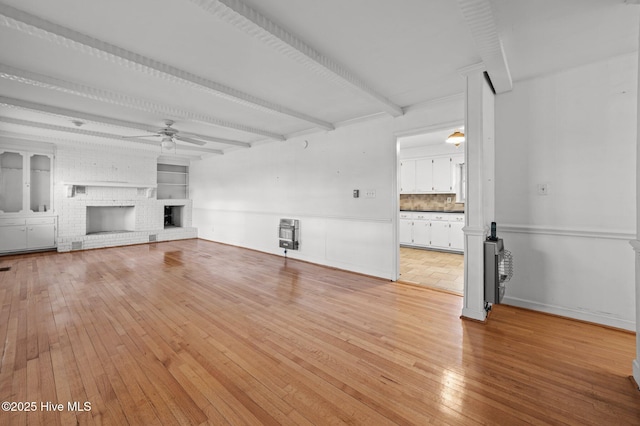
(456, 138)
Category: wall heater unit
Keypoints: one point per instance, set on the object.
(288, 233)
(498, 269)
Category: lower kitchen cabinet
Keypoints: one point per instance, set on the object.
(421, 232)
(23, 234)
(442, 231)
(456, 235)
(406, 231)
(440, 234)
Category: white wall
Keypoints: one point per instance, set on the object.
(239, 198)
(574, 131)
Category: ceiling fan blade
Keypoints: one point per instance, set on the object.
(189, 140)
(140, 136)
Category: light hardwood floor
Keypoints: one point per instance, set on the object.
(194, 332)
(431, 268)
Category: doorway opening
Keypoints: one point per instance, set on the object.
(431, 200)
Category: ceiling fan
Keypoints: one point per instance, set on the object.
(169, 136)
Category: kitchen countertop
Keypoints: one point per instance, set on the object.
(433, 211)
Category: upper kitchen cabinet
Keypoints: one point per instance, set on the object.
(424, 175)
(429, 175)
(26, 185)
(408, 176)
(442, 176)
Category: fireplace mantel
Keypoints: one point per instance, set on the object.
(111, 184)
(70, 186)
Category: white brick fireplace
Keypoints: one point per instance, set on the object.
(108, 184)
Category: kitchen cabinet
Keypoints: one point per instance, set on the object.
(429, 175)
(414, 229)
(442, 231)
(442, 175)
(25, 182)
(456, 235)
(421, 230)
(424, 175)
(33, 233)
(406, 231)
(408, 176)
(439, 232)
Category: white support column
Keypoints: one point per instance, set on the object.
(636, 246)
(480, 200)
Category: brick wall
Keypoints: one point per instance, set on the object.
(104, 165)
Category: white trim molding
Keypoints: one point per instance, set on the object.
(612, 234)
(595, 318)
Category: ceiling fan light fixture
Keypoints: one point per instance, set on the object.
(455, 138)
(167, 143)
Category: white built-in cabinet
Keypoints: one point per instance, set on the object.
(441, 231)
(33, 233)
(26, 195)
(430, 175)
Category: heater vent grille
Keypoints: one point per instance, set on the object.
(76, 245)
(153, 238)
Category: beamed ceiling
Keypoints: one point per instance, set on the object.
(232, 74)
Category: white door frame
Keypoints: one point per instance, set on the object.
(396, 196)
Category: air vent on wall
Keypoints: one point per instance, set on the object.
(76, 245)
(153, 238)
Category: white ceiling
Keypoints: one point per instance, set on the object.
(237, 73)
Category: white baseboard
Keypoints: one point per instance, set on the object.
(474, 315)
(593, 317)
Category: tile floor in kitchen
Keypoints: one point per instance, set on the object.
(436, 269)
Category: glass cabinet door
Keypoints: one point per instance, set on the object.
(40, 183)
(11, 182)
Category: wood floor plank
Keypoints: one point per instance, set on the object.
(194, 332)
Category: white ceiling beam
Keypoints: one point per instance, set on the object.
(120, 99)
(35, 26)
(73, 114)
(482, 24)
(92, 133)
(194, 137)
(241, 16)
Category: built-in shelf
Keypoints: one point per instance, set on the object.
(173, 181)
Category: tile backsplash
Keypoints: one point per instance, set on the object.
(429, 202)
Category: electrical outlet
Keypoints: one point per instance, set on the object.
(448, 200)
(543, 189)
(356, 193)
(369, 193)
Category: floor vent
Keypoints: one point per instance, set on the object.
(76, 245)
(153, 238)
(5, 268)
